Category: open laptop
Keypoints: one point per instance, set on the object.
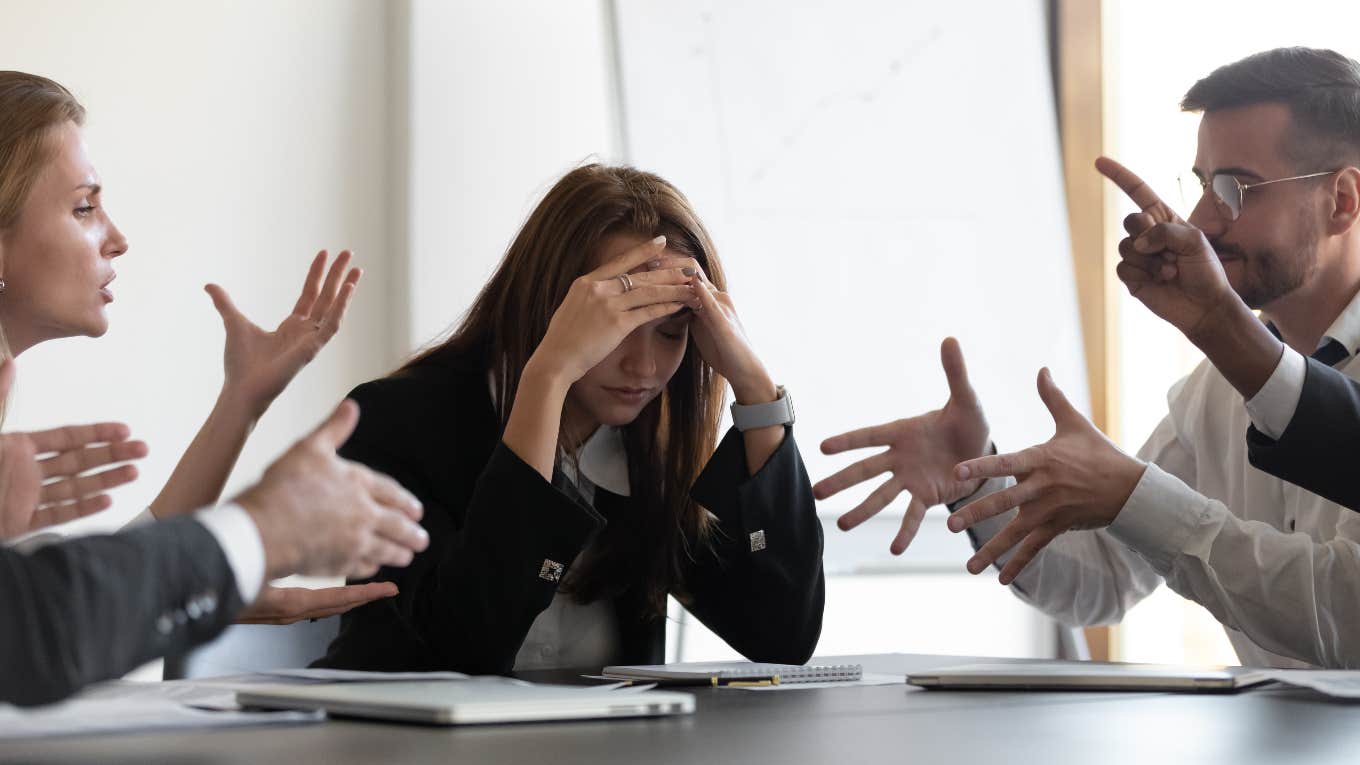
(466, 702)
(1090, 676)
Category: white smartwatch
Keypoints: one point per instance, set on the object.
(777, 412)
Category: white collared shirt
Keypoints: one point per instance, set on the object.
(1274, 404)
(1277, 565)
(568, 633)
(239, 538)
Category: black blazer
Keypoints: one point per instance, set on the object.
(1321, 445)
(95, 608)
(467, 602)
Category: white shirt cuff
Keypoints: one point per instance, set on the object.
(1159, 517)
(1273, 406)
(240, 540)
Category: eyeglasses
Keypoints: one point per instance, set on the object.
(1229, 192)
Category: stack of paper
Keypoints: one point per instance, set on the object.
(122, 706)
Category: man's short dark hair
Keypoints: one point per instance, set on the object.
(1320, 87)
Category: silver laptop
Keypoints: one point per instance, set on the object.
(1089, 676)
(466, 702)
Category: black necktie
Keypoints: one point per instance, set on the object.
(1331, 353)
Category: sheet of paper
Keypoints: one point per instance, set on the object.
(1337, 683)
(84, 716)
(219, 693)
(191, 693)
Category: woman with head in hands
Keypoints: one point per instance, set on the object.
(564, 442)
(58, 246)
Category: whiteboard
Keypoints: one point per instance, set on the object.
(877, 175)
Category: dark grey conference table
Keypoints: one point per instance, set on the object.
(890, 724)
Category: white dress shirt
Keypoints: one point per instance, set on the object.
(1278, 566)
(1274, 404)
(240, 540)
(568, 633)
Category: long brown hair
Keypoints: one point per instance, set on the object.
(30, 106)
(671, 440)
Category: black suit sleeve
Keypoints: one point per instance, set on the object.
(95, 608)
(1321, 445)
(761, 587)
(472, 596)
(489, 581)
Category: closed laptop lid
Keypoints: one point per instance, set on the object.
(1077, 675)
(475, 700)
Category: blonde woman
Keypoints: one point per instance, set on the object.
(58, 251)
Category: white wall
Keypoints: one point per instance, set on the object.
(864, 167)
(505, 97)
(234, 140)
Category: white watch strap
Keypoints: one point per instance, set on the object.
(753, 416)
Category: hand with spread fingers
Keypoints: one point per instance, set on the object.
(260, 364)
(607, 304)
(44, 475)
(921, 454)
(321, 515)
(1166, 263)
(286, 605)
(1076, 480)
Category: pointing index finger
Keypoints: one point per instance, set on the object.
(1136, 189)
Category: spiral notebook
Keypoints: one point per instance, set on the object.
(722, 673)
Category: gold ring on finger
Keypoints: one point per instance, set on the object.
(627, 282)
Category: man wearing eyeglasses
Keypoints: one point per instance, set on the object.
(1276, 228)
(1304, 410)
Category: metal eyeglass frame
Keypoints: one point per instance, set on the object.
(1220, 200)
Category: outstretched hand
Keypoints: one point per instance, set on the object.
(286, 605)
(921, 455)
(45, 476)
(260, 364)
(321, 515)
(1076, 480)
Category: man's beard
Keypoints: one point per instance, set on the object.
(1267, 275)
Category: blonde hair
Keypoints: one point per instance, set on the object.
(30, 107)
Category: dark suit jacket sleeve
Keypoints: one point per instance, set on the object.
(1320, 448)
(94, 608)
(472, 596)
(762, 594)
